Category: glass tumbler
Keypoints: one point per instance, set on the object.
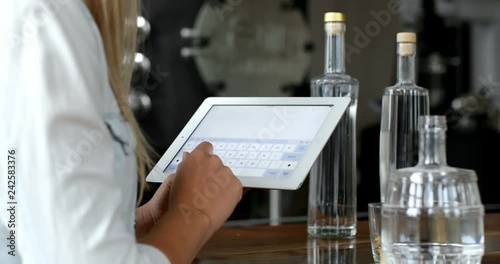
(374, 221)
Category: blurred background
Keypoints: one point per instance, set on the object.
(193, 49)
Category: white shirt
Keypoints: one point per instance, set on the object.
(75, 167)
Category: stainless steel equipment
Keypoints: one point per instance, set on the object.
(244, 48)
(139, 101)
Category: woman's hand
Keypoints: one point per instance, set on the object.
(205, 188)
(158, 205)
(148, 215)
(202, 197)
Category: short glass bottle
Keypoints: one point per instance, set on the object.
(433, 212)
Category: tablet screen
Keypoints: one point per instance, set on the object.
(257, 141)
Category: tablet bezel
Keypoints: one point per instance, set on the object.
(295, 180)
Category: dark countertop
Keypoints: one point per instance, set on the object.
(290, 244)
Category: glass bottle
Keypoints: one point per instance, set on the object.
(332, 182)
(402, 104)
(433, 212)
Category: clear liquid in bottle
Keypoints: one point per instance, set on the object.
(332, 181)
(402, 105)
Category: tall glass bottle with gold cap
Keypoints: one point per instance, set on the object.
(332, 182)
(402, 105)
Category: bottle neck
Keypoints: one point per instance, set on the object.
(432, 147)
(334, 47)
(406, 63)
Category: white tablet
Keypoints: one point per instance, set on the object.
(268, 143)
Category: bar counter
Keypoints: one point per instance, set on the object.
(290, 244)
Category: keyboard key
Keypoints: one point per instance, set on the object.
(232, 146)
(251, 172)
(289, 165)
(241, 163)
(264, 155)
(301, 148)
(275, 164)
(254, 147)
(220, 153)
(185, 150)
(190, 145)
(266, 147)
(278, 147)
(291, 156)
(252, 163)
(237, 170)
(276, 156)
(242, 154)
(272, 173)
(252, 155)
(289, 148)
(230, 154)
(221, 145)
(264, 164)
(231, 162)
(285, 174)
(243, 146)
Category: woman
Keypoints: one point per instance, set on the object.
(73, 149)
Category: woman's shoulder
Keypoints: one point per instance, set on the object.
(62, 39)
(25, 20)
(35, 12)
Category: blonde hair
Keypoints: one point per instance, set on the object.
(117, 22)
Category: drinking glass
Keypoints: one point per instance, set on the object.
(374, 221)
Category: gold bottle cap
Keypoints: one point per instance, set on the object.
(407, 37)
(334, 17)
